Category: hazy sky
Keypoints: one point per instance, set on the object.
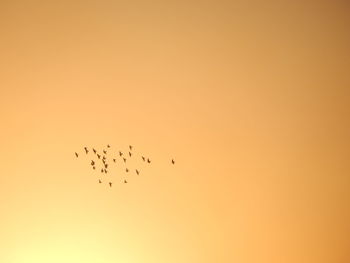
(252, 98)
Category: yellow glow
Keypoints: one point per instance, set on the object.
(250, 97)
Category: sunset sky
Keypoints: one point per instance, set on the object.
(251, 98)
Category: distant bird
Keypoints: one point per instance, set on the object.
(93, 167)
(99, 156)
(76, 154)
(143, 158)
(124, 160)
(108, 146)
(105, 170)
(92, 162)
(86, 150)
(99, 181)
(104, 161)
(104, 157)
(172, 161)
(148, 160)
(125, 181)
(94, 150)
(104, 151)
(127, 170)
(106, 165)
(130, 147)
(120, 153)
(101, 170)
(130, 154)
(137, 172)
(110, 184)
(113, 160)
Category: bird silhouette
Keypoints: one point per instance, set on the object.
(143, 158)
(114, 160)
(120, 153)
(130, 147)
(130, 154)
(93, 167)
(125, 181)
(108, 146)
(137, 172)
(106, 165)
(104, 157)
(172, 161)
(104, 151)
(124, 160)
(86, 150)
(99, 181)
(92, 162)
(105, 170)
(148, 160)
(101, 170)
(98, 156)
(94, 150)
(76, 154)
(110, 184)
(127, 170)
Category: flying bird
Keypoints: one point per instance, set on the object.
(124, 160)
(127, 170)
(104, 151)
(106, 165)
(86, 150)
(113, 160)
(105, 170)
(130, 147)
(172, 161)
(76, 154)
(99, 156)
(148, 160)
(137, 172)
(143, 158)
(125, 181)
(93, 167)
(94, 150)
(120, 153)
(108, 146)
(99, 181)
(110, 184)
(92, 162)
(130, 154)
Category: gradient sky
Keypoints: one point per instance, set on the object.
(252, 98)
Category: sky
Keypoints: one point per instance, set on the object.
(251, 98)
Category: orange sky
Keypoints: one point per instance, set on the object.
(250, 97)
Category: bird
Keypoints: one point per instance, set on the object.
(113, 160)
(92, 162)
(110, 184)
(76, 154)
(120, 153)
(143, 158)
(108, 146)
(94, 150)
(99, 156)
(130, 154)
(124, 160)
(101, 170)
(105, 170)
(125, 181)
(104, 157)
(127, 170)
(99, 181)
(130, 147)
(93, 167)
(104, 151)
(172, 161)
(137, 172)
(104, 161)
(106, 165)
(148, 160)
(86, 150)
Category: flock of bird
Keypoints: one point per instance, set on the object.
(102, 161)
